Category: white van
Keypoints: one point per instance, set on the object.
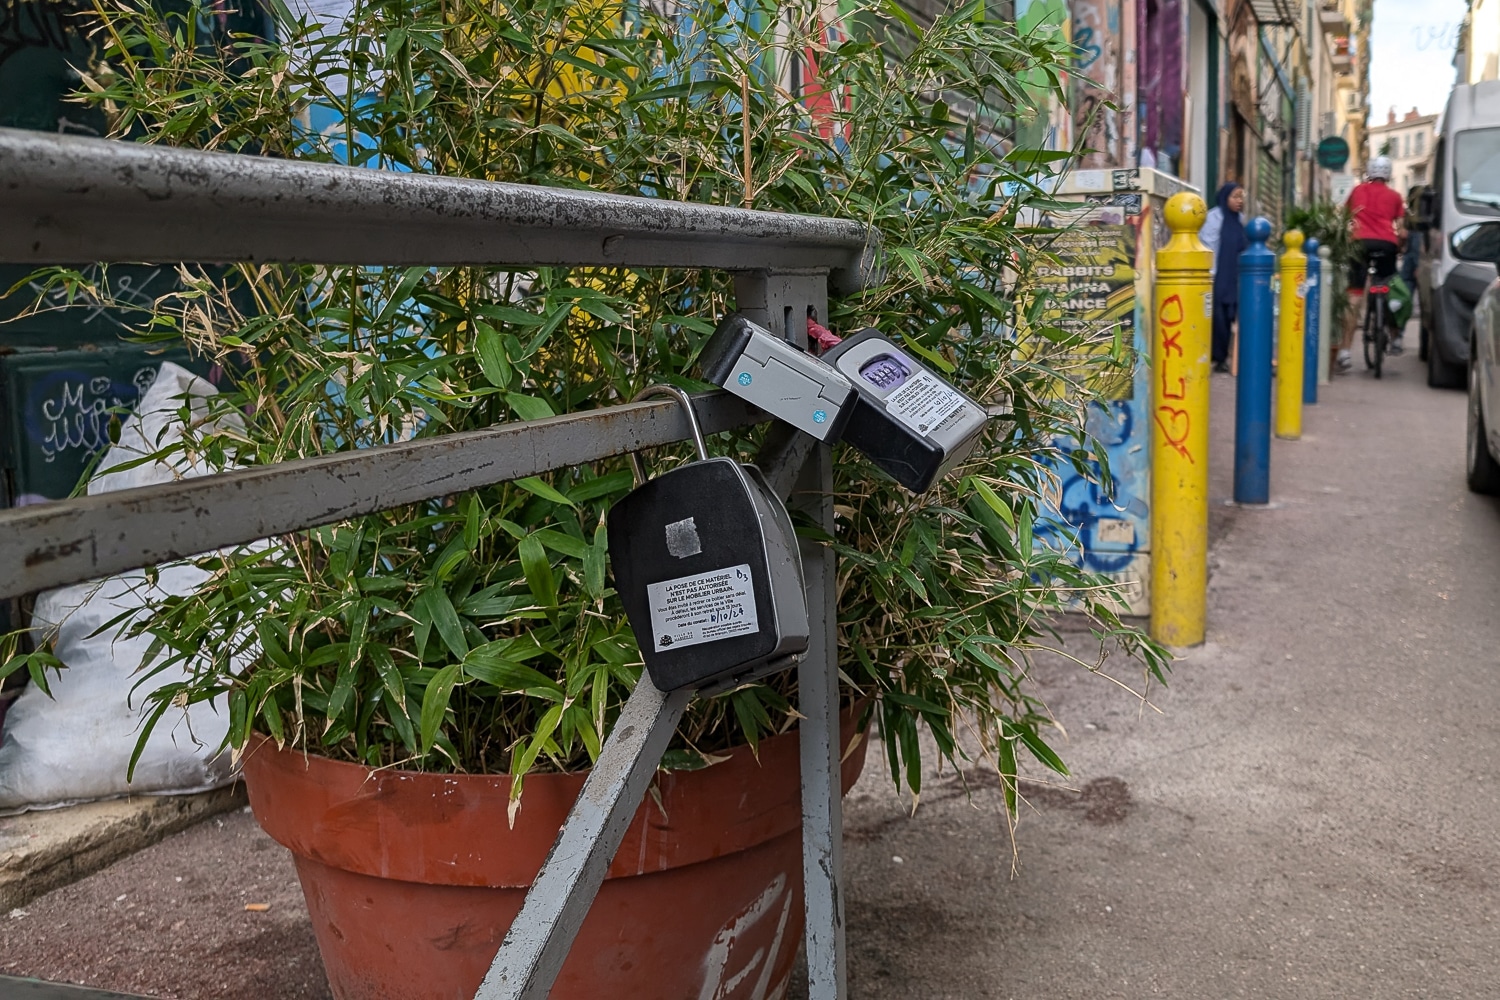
(1465, 189)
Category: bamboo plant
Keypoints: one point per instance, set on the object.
(481, 633)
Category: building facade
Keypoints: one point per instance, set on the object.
(1408, 141)
(1478, 55)
(1215, 90)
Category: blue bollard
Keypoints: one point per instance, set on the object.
(1252, 399)
(1310, 323)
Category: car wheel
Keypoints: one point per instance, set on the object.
(1483, 470)
(1442, 373)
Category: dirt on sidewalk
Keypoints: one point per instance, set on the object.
(172, 922)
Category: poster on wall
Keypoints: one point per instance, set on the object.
(1090, 286)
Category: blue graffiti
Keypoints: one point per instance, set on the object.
(1084, 509)
(1086, 53)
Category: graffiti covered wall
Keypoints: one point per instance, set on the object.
(1108, 531)
(1103, 89)
(1161, 83)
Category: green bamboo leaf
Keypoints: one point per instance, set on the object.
(601, 485)
(545, 726)
(913, 262)
(473, 521)
(538, 571)
(343, 687)
(491, 351)
(561, 541)
(435, 704)
(239, 716)
(529, 407)
(493, 664)
(1039, 749)
(991, 498)
(895, 9)
(593, 562)
(162, 704)
(509, 315)
(270, 644)
(938, 361)
(390, 675)
(444, 618)
(707, 87)
(583, 725)
(1007, 754)
(538, 487)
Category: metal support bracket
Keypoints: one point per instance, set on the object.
(780, 300)
(795, 464)
(538, 941)
(822, 788)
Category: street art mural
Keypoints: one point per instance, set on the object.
(1102, 89)
(1052, 125)
(1108, 530)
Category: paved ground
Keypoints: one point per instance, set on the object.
(171, 921)
(1312, 813)
(44, 849)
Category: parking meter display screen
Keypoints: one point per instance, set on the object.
(885, 372)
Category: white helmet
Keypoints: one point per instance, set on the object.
(1380, 169)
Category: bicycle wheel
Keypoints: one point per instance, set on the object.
(1369, 330)
(1380, 332)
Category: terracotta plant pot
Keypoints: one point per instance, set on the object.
(413, 879)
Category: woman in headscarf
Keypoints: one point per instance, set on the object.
(1224, 234)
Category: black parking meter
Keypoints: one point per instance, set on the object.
(906, 419)
(707, 567)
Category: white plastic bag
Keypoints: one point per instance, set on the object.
(76, 745)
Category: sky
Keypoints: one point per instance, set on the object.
(1411, 55)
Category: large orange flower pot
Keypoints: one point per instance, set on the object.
(413, 879)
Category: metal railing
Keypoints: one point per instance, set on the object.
(67, 200)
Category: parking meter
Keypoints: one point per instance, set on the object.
(906, 420)
(790, 384)
(707, 567)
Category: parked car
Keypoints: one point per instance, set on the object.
(1479, 243)
(1465, 190)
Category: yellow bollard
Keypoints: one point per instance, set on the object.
(1182, 335)
(1289, 351)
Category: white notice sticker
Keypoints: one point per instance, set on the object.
(718, 604)
(924, 402)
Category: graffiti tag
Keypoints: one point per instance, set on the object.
(123, 288)
(1175, 423)
(78, 414)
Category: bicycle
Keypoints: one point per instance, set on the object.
(1377, 321)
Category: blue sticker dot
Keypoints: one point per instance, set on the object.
(819, 416)
(744, 378)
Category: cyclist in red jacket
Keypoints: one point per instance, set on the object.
(1375, 209)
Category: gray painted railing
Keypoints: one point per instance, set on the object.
(69, 200)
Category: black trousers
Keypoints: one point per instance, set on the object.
(1224, 317)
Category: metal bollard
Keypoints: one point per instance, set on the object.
(1310, 312)
(1252, 396)
(1328, 282)
(1289, 339)
(1179, 433)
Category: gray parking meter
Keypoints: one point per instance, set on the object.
(707, 567)
(906, 420)
(790, 384)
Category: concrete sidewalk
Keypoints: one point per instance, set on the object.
(42, 850)
(1314, 813)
